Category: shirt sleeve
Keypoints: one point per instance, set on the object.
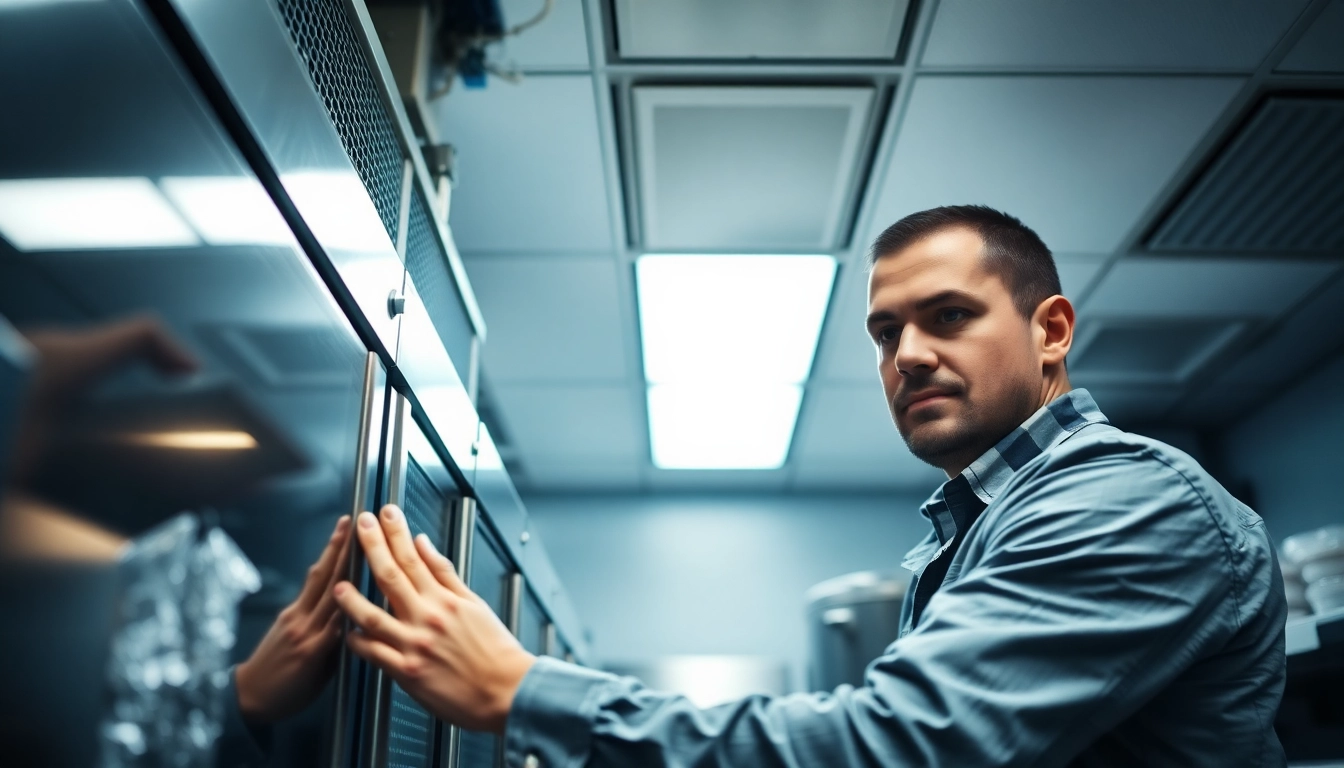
(241, 743)
(1098, 583)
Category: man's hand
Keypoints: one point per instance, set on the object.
(293, 662)
(443, 645)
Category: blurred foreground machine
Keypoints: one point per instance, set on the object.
(242, 171)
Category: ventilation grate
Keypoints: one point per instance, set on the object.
(433, 282)
(1277, 187)
(322, 33)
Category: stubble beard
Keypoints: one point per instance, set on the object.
(976, 429)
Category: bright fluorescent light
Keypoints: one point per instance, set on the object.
(202, 440)
(728, 342)
(228, 210)
(337, 208)
(69, 214)
(722, 427)
(731, 318)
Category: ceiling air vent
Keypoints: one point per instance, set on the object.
(1276, 187)
(748, 169)
(1148, 352)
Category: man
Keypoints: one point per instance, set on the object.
(1086, 596)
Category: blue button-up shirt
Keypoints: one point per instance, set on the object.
(1086, 597)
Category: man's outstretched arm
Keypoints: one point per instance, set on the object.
(1079, 613)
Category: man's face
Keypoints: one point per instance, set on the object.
(959, 364)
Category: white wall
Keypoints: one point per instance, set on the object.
(1291, 452)
(666, 575)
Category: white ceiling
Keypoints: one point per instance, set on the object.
(551, 319)
(1085, 119)
(759, 29)
(529, 166)
(1077, 158)
(1127, 35)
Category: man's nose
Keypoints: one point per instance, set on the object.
(914, 353)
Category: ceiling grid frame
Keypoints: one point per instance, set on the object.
(608, 77)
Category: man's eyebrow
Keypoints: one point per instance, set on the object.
(952, 294)
(941, 297)
(880, 316)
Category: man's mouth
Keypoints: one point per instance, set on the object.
(926, 398)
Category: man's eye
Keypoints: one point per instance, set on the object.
(951, 315)
(888, 334)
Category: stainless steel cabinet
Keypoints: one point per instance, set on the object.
(191, 161)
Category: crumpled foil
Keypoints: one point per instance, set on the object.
(169, 662)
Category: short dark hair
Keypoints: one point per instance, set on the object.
(1012, 250)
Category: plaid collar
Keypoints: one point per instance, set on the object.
(958, 502)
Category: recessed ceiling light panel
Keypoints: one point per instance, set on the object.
(728, 343)
(731, 318)
(717, 427)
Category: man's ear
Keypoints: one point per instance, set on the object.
(1052, 324)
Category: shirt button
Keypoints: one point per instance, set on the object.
(531, 761)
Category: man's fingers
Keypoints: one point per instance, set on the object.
(440, 566)
(376, 652)
(371, 620)
(392, 580)
(398, 534)
(326, 604)
(319, 582)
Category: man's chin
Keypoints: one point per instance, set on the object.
(933, 442)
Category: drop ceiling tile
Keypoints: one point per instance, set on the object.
(585, 423)
(529, 166)
(564, 473)
(1108, 34)
(1130, 405)
(1076, 272)
(846, 353)
(1320, 49)
(1165, 287)
(846, 438)
(1310, 335)
(1076, 158)
(759, 29)
(746, 168)
(715, 480)
(559, 41)
(1149, 351)
(553, 318)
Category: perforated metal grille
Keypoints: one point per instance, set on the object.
(410, 737)
(433, 281)
(410, 729)
(477, 750)
(1277, 187)
(325, 39)
(423, 504)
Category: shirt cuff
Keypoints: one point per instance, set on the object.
(550, 724)
(241, 742)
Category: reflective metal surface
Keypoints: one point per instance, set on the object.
(274, 96)
(109, 116)
(205, 277)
